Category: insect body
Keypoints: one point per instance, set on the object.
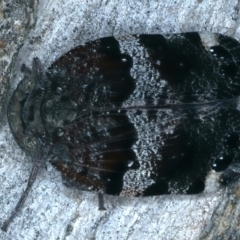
(140, 115)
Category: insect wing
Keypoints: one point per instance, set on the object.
(146, 114)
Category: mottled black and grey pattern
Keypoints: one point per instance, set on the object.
(139, 115)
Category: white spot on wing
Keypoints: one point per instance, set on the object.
(212, 182)
(209, 39)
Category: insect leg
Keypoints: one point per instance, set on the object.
(22, 200)
(101, 202)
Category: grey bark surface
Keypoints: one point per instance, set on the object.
(47, 29)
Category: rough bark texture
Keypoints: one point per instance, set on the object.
(50, 28)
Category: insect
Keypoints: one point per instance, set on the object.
(139, 115)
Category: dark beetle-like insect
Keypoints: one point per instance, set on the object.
(140, 115)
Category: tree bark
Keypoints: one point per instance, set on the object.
(47, 29)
